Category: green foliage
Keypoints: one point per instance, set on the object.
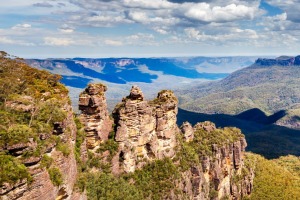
(156, 179)
(272, 181)
(55, 176)
(64, 148)
(268, 88)
(31, 101)
(213, 193)
(110, 145)
(46, 161)
(51, 111)
(290, 163)
(80, 136)
(16, 134)
(101, 186)
(12, 170)
(189, 153)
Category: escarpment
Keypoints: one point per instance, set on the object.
(138, 152)
(37, 134)
(208, 162)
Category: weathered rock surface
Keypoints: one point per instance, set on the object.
(92, 103)
(145, 130)
(188, 132)
(41, 186)
(220, 174)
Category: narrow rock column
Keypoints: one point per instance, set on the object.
(94, 114)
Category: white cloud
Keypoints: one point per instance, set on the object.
(234, 35)
(148, 4)
(162, 31)
(5, 40)
(52, 41)
(113, 42)
(65, 28)
(204, 12)
(21, 26)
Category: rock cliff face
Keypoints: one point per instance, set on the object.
(280, 61)
(145, 130)
(221, 174)
(41, 186)
(92, 103)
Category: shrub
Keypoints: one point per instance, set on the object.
(55, 176)
(106, 186)
(46, 161)
(64, 148)
(17, 134)
(12, 170)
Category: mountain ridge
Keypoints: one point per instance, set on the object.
(269, 88)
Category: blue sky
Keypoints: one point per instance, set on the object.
(149, 28)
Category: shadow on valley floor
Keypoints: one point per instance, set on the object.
(263, 137)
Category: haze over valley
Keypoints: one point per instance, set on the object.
(149, 99)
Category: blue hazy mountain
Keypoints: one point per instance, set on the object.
(77, 72)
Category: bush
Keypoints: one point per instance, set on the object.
(17, 134)
(106, 186)
(12, 170)
(46, 161)
(55, 176)
(109, 145)
(64, 148)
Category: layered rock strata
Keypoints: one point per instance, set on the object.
(41, 186)
(221, 174)
(145, 130)
(94, 114)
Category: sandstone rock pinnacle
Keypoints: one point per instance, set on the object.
(95, 117)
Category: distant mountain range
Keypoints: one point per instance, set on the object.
(151, 74)
(270, 85)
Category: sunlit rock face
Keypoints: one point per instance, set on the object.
(145, 130)
(94, 114)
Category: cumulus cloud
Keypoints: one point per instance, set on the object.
(204, 12)
(6, 40)
(22, 26)
(291, 7)
(235, 34)
(53, 41)
(146, 4)
(160, 30)
(113, 42)
(66, 29)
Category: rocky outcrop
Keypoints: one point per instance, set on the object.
(280, 61)
(41, 186)
(221, 174)
(188, 132)
(145, 130)
(94, 114)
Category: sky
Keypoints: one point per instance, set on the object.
(149, 28)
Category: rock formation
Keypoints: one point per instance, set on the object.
(145, 130)
(220, 173)
(92, 103)
(280, 61)
(41, 186)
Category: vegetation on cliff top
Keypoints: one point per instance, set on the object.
(157, 179)
(31, 101)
